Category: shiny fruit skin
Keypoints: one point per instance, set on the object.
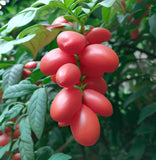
(85, 127)
(26, 73)
(134, 34)
(4, 139)
(98, 35)
(60, 20)
(98, 84)
(100, 58)
(54, 59)
(68, 75)
(30, 65)
(16, 156)
(97, 102)
(53, 78)
(66, 103)
(71, 42)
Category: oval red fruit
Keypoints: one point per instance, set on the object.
(16, 156)
(68, 75)
(134, 34)
(60, 20)
(4, 139)
(30, 65)
(66, 103)
(71, 42)
(100, 58)
(53, 78)
(85, 127)
(98, 84)
(97, 102)
(54, 59)
(98, 35)
(26, 73)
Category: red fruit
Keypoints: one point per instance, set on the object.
(99, 58)
(60, 20)
(30, 65)
(53, 60)
(98, 84)
(7, 130)
(16, 134)
(63, 124)
(124, 4)
(139, 0)
(85, 127)
(71, 42)
(26, 73)
(68, 75)
(98, 35)
(97, 102)
(66, 104)
(91, 73)
(16, 156)
(134, 34)
(148, 6)
(4, 139)
(1, 95)
(53, 78)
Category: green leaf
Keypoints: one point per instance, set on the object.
(36, 75)
(43, 153)
(12, 75)
(21, 19)
(26, 142)
(108, 13)
(134, 96)
(38, 3)
(42, 37)
(68, 2)
(19, 90)
(152, 23)
(14, 112)
(77, 11)
(137, 149)
(7, 46)
(4, 149)
(119, 7)
(107, 3)
(144, 129)
(37, 110)
(6, 64)
(60, 156)
(147, 111)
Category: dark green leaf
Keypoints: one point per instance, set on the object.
(26, 142)
(6, 64)
(147, 111)
(19, 90)
(42, 38)
(12, 75)
(60, 156)
(37, 110)
(152, 23)
(36, 75)
(137, 94)
(144, 129)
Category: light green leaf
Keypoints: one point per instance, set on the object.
(21, 19)
(107, 3)
(152, 23)
(41, 2)
(4, 149)
(77, 11)
(68, 2)
(134, 96)
(42, 38)
(26, 142)
(147, 111)
(19, 90)
(60, 156)
(37, 110)
(12, 75)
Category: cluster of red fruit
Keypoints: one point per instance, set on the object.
(78, 66)
(5, 138)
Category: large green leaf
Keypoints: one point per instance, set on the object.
(7, 46)
(19, 90)
(42, 37)
(4, 149)
(147, 111)
(21, 19)
(26, 142)
(12, 75)
(60, 156)
(37, 110)
(152, 23)
(137, 94)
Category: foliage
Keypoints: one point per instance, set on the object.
(130, 133)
